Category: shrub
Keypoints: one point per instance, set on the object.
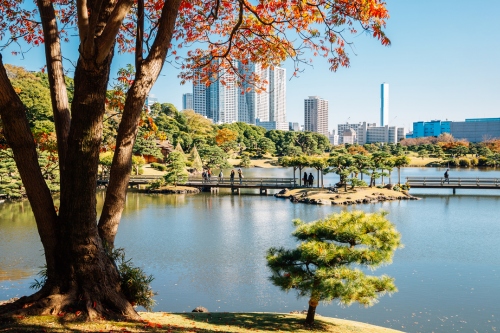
(135, 284)
(482, 161)
(474, 161)
(464, 163)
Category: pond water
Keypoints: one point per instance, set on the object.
(209, 250)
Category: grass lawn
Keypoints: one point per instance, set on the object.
(192, 322)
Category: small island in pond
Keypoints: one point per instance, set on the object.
(359, 195)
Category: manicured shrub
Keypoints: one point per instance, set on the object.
(464, 163)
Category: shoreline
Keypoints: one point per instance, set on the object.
(159, 321)
(359, 195)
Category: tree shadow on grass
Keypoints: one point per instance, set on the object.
(259, 321)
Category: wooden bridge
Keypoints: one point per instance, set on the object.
(454, 183)
(213, 185)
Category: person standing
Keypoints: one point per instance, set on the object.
(310, 179)
(209, 174)
(304, 179)
(221, 176)
(231, 176)
(240, 175)
(446, 176)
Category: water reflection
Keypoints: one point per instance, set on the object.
(209, 250)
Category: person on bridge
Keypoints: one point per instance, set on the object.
(231, 176)
(446, 176)
(240, 175)
(304, 179)
(221, 176)
(310, 179)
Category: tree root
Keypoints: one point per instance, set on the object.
(71, 305)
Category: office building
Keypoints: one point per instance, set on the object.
(316, 115)
(349, 136)
(229, 102)
(272, 125)
(472, 129)
(370, 133)
(294, 127)
(384, 104)
(187, 101)
(333, 138)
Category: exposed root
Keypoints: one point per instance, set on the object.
(70, 306)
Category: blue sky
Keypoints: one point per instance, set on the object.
(444, 63)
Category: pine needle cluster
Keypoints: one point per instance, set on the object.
(327, 264)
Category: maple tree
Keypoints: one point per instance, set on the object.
(80, 272)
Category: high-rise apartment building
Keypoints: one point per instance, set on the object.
(187, 101)
(384, 104)
(316, 115)
(226, 103)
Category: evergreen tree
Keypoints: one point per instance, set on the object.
(195, 157)
(176, 169)
(324, 265)
(179, 148)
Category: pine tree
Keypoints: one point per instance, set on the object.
(323, 266)
(179, 148)
(195, 157)
(176, 169)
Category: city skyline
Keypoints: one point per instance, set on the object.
(442, 64)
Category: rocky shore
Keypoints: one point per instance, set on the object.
(172, 190)
(362, 195)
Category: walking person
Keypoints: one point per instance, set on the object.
(231, 176)
(204, 176)
(304, 179)
(310, 179)
(446, 176)
(221, 177)
(240, 175)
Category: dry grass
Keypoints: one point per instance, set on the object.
(344, 196)
(193, 322)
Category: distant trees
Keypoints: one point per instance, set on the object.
(326, 264)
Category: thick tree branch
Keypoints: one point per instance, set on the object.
(83, 19)
(108, 36)
(139, 39)
(88, 43)
(20, 139)
(58, 92)
(145, 77)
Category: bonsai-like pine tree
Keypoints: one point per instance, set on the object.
(326, 264)
(196, 159)
(176, 169)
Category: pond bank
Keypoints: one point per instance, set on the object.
(263, 322)
(360, 195)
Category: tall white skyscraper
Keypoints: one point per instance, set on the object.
(384, 104)
(316, 115)
(229, 103)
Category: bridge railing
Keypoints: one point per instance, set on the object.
(458, 181)
(263, 182)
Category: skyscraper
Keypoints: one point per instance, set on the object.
(316, 115)
(229, 102)
(384, 104)
(187, 101)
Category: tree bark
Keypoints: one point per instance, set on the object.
(58, 93)
(311, 311)
(20, 139)
(127, 131)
